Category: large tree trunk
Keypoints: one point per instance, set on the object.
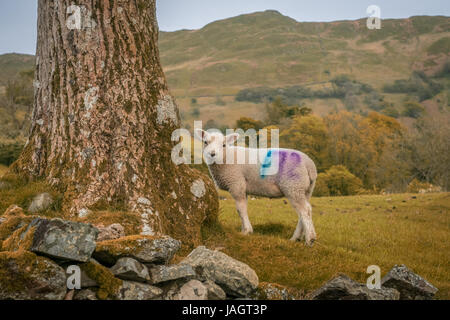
(103, 118)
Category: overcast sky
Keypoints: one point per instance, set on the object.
(18, 17)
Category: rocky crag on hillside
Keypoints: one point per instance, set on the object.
(40, 256)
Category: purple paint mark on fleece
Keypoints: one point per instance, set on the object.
(289, 161)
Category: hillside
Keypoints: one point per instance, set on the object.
(207, 68)
(269, 49)
(12, 63)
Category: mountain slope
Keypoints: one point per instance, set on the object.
(206, 68)
(269, 49)
(12, 63)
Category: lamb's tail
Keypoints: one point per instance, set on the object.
(312, 172)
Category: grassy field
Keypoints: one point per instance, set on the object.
(2, 169)
(353, 233)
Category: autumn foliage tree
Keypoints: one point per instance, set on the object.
(308, 134)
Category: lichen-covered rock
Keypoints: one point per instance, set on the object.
(192, 290)
(146, 249)
(61, 239)
(344, 288)
(163, 273)
(41, 202)
(274, 291)
(130, 269)
(85, 294)
(25, 276)
(410, 285)
(139, 291)
(235, 277)
(111, 232)
(215, 292)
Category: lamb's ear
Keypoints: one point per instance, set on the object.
(231, 138)
(201, 134)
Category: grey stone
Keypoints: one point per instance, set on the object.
(192, 290)
(130, 269)
(163, 273)
(410, 285)
(139, 291)
(26, 276)
(40, 203)
(111, 232)
(344, 288)
(236, 278)
(144, 249)
(85, 294)
(2, 220)
(274, 291)
(171, 288)
(64, 240)
(214, 291)
(85, 280)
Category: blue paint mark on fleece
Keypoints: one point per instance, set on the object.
(266, 164)
(288, 163)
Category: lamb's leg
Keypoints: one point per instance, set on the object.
(299, 233)
(241, 206)
(305, 226)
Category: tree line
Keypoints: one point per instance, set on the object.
(362, 153)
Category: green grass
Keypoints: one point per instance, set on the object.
(3, 169)
(440, 46)
(21, 193)
(353, 233)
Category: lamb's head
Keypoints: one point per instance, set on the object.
(215, 145)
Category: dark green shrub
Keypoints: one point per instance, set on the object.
(338, 181)
(10, 152)
(390, 111)
(413, 109)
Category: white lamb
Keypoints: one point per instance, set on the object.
(273, 173)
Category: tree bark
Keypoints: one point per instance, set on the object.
(103, 118)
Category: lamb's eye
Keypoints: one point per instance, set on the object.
(224, 145)
(206, 143)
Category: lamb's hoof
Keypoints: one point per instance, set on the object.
(299, 239)
(246, 232)
(310, 243)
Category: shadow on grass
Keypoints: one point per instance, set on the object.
(271, 229)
